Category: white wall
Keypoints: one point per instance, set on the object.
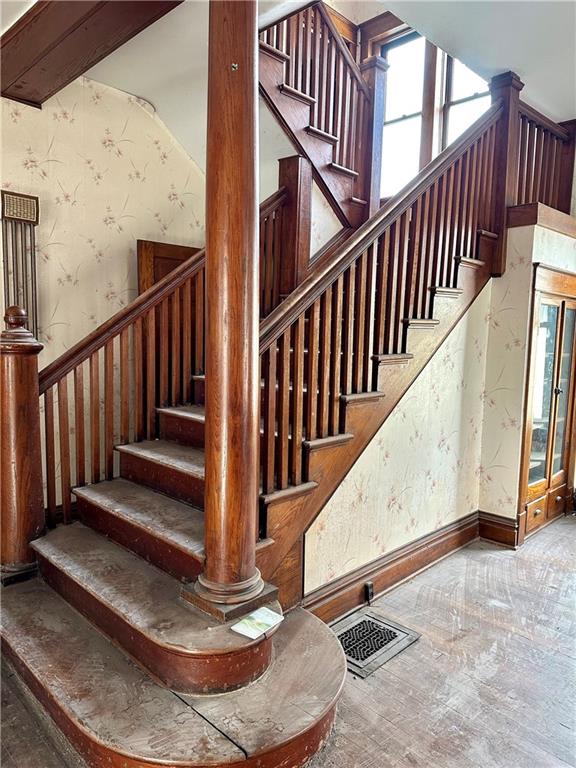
(107, 172)
(421, 470)
(503, 394)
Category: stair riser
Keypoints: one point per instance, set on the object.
(174, 482)
(160, 553)
(181, 429)
(215, 672)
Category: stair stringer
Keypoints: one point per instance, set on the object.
(294, 117)
(290, 516)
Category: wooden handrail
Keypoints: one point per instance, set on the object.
(81, 351)
(273, 202)
(545, 122)
(352, 65)
(272, 327)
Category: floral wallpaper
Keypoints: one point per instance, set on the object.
(107, 172)
(509, 323)
(421, 470)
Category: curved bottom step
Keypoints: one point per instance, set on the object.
(116, 715)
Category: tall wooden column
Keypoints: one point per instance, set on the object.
(230, 575)
(507, 87)
(374, 73)
(21, 498)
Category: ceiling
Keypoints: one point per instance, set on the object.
(166, 64)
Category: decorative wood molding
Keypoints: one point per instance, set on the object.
(554, 280)
(55, 42)
(502, 530)
(542, 216)
(347, 593)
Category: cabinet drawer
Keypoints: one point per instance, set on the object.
(556, 504)
(536, 513)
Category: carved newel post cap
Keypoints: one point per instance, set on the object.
(17, 337)
(16, 317)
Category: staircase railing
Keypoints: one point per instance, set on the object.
(329, 335)
(545, 160)
(320, 68)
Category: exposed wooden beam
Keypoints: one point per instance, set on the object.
(56, 41)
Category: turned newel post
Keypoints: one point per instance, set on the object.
(232, 477)
(374, 73)
(22, 503)
(506, 87)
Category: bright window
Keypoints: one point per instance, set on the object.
(467, 97)
(403, 112)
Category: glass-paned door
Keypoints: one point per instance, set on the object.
(543, 387)
(562, 391)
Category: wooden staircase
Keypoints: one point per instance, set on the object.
(106, 635)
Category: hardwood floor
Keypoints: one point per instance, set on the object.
(492, 681)
(490, 684)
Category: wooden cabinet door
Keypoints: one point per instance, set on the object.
(541, 409)
(564, 398)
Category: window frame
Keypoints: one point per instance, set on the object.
(448, 102)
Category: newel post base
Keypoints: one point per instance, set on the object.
(226, 605)
(21, 495)
(507, 87)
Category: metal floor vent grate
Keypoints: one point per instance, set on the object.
(368, 640)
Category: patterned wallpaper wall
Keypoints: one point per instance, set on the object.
(420, 471)
(107, 172)
(509, 323)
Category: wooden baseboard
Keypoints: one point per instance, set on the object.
(502, 530)
(348, 592)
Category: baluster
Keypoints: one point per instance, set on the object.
(64, 435)
(79, 425)
(359, 322)
(269, 417)
(447, 227)
(427, 297)
(324, 364)
(277, 257)
(138, 381)
(424, 257)
(331, 92)
(371, 264)
(298, 338)
(300, 54)
(460, 246)
(490, 186)
(283, 410)
(380, 307)
(348, 329)
(469, 241)
(199, 322)
(109, 409)
(307, 55)
(556, 174)
(480, 191)
(355, 95)
(312, 371)
(322, 82)
(545, 183)
(392, 287)
(530, 162)
(403, 277)
(50, 455)
(150, 331)
(337, 103)
(124, 386)
(455, 221)
(538, 164)
(187, 342)
(343, 132)
(336, 356)
(176, 393)
(522, 161)
(413, 259)
(163, 347)
(95, 416)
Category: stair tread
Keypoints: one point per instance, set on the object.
(173, 521)
(194, 412)
(115, 704)
(144, 596)
(183, 457)
(110, 698)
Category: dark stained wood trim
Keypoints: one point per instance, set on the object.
(553, 280)
(502, 530)
(346, 593)
(148, 255)
(542, 216)
(53, 43)
(375, 32)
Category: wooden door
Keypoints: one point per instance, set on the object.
(156, 260)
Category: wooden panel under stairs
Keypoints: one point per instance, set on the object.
(116, 715)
